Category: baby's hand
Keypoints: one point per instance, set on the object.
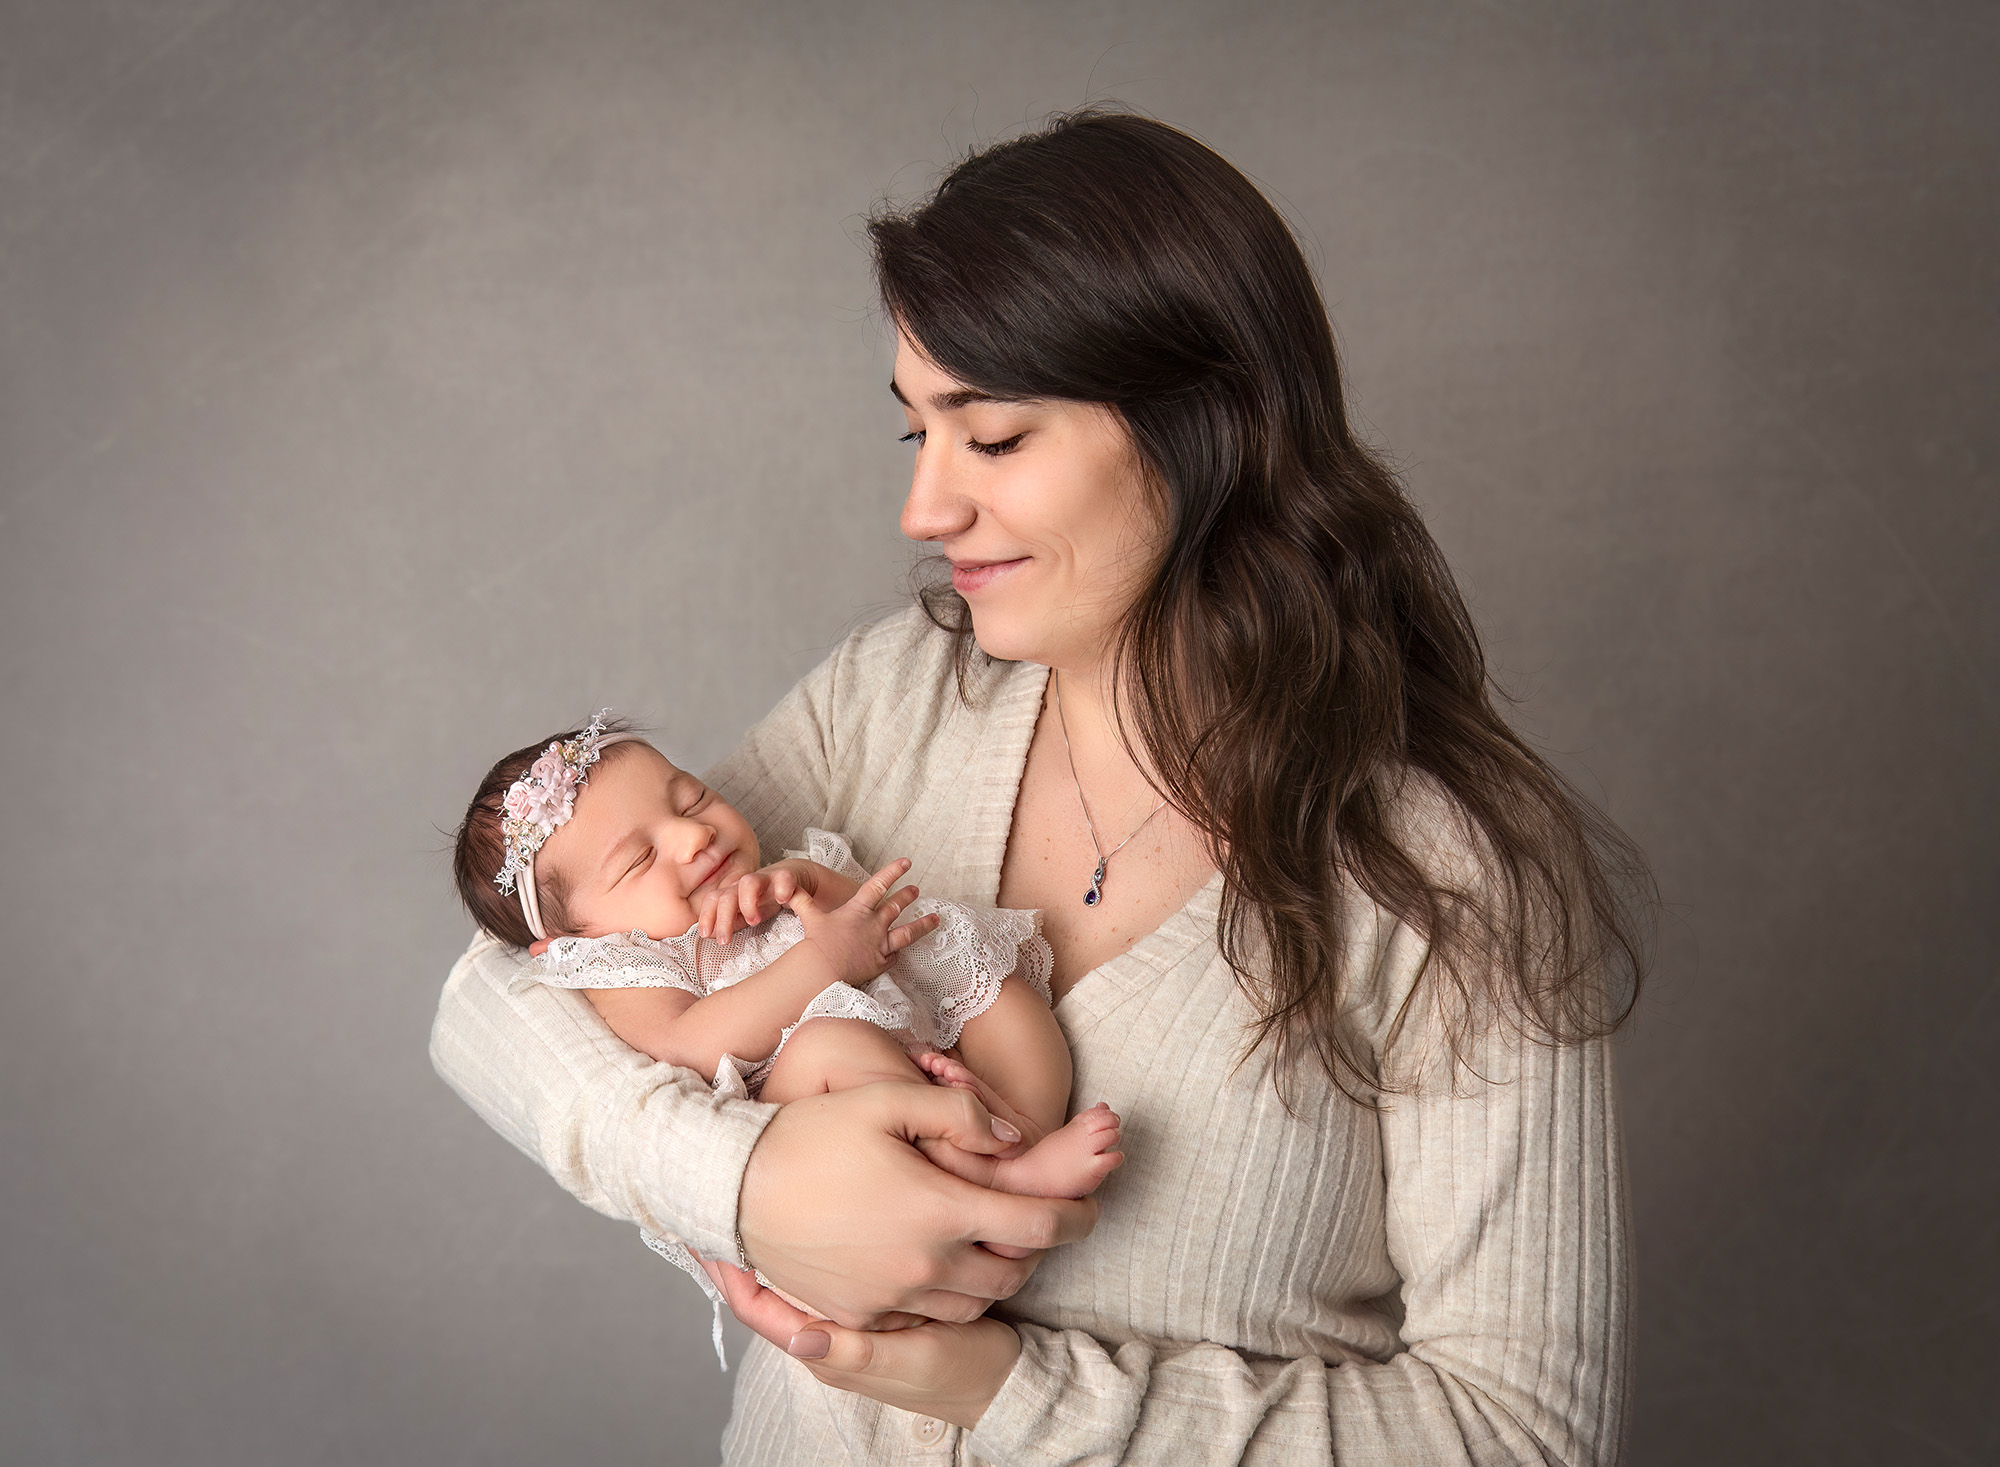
(758, 896)
(860, 937)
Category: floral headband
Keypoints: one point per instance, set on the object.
(542, 800)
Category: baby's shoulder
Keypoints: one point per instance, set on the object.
(622, 960)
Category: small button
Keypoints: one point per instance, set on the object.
(929, 1430)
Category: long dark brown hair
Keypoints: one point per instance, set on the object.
(1302, 653)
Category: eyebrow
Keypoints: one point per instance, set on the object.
(945, 402)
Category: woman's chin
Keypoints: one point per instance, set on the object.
(1007, 638)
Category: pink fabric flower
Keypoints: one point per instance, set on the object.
(517, 802)
(550, 801)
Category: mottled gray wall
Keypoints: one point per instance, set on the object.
(386, 383)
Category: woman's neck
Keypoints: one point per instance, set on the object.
(1114, 779)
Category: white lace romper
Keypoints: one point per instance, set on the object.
(931, 991)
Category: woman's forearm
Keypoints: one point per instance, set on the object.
(633, 1139)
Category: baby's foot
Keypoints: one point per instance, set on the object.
(1067, 1163)
(945, 1070)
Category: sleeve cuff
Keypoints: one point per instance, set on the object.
(1057, 1407)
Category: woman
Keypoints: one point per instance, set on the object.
(1341, 951)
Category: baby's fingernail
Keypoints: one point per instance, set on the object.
(810, 1344)
(1003, 1132)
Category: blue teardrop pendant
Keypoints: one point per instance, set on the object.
(1096, 886)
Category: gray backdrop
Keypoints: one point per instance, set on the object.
(388, 383)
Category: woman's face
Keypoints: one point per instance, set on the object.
(1040, 506)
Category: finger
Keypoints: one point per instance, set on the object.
(750, 900)
(842, 1351)
(1022, 1222)
(917, 1112)
(758, 1307)
(877, 886)
(899, 903)
(901, 937)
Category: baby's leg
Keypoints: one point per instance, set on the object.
(1018, 1049)
(1015, 1059)
(840, 1054)
(836, 1054)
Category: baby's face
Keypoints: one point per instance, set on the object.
(646, 842)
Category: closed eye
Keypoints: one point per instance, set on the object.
(918, 436)
(645, 859)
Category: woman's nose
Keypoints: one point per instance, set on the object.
(935, 509)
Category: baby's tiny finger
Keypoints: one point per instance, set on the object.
(878, 885)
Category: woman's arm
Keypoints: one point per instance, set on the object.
(633, 1139)
(1506, 1219)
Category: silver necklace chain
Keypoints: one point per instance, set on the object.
(1096, 892)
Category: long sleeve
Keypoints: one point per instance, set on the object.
(1505, 1219)
(634, 1139)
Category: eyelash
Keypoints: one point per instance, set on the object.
(991, 450)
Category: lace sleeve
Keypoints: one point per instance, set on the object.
(833, 852)
(621, 960)
(954, 975)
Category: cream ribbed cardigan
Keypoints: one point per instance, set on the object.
(1441, 1280)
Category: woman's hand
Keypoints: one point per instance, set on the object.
(950, 1371)
(841, 1210)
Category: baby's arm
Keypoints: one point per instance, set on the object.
(744, 1019)
(852, 943)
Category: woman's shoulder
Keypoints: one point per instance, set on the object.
(900, 652)
(905, 662)
(1389, 956)
(1432, 827)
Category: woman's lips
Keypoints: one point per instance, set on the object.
(968, 576)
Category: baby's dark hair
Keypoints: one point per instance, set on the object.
(480, 847)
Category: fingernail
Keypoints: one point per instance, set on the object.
(1004, 1132)
(810, 1344)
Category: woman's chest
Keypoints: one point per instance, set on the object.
(1234, 1218)
(1103, 873)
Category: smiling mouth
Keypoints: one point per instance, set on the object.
(721, 864)
(975, 575)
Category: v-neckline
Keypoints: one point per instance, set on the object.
(1005, 737)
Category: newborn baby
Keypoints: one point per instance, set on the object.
(637, 884)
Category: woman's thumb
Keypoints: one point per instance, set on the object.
(829, 1347)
